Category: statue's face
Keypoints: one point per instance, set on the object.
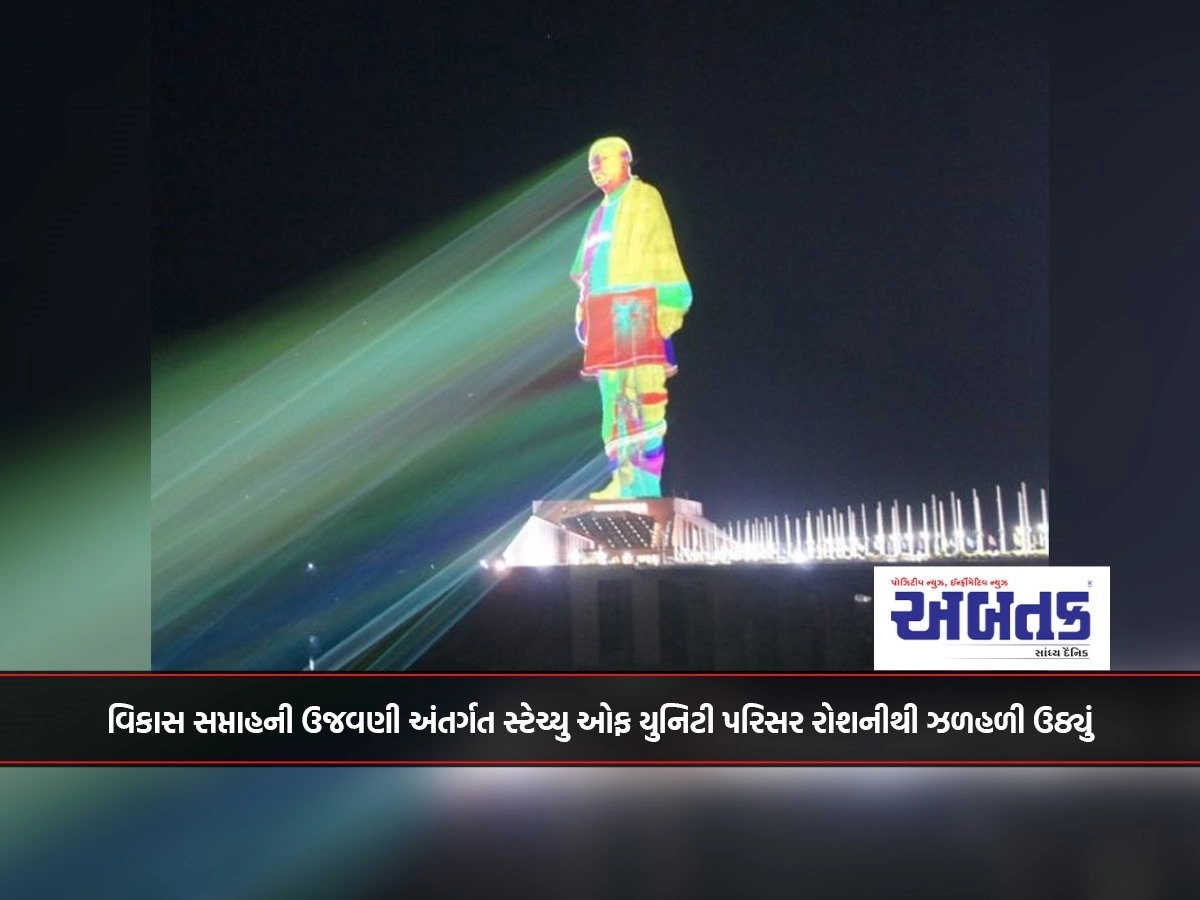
(609, 165)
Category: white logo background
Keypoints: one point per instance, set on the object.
(1026, 583)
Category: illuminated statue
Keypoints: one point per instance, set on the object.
(633, 294)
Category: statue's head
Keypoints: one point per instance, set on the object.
(610, 161)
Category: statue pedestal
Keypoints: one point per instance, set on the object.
(651, 531)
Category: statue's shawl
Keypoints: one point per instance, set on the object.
(643, 251)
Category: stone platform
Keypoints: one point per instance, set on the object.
(631, 531)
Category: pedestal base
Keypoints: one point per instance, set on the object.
(648, 532)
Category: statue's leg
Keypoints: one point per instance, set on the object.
(615, 423)
(649, 455)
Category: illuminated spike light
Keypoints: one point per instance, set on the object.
(944, 532)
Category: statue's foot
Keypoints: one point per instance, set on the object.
(611, 491)
(645, 485)
(635, 484)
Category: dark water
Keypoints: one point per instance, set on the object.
(748, 616)
(676, 618)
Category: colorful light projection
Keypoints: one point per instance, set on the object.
(633, 295)
(329, 474)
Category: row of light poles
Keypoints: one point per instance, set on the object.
(944, 531)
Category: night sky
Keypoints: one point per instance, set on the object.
(860, 197)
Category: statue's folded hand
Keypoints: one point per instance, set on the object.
(669, 321)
